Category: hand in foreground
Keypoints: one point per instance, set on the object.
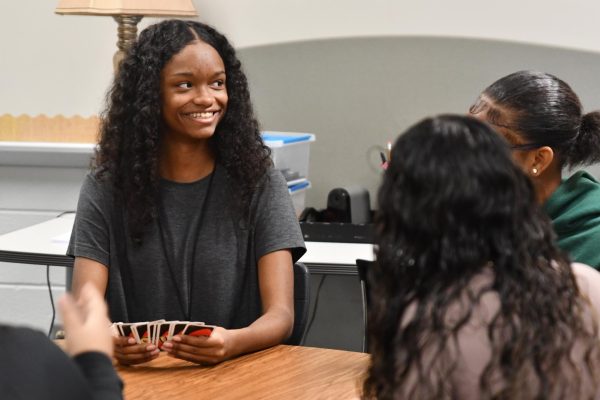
(201, 349)
(86, 322)
(127, 352)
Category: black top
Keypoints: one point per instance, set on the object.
(35, 368)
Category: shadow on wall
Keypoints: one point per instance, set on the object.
(356, 94)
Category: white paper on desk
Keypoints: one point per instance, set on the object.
(64, 238)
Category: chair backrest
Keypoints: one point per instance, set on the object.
(301, 303)
(363, 267)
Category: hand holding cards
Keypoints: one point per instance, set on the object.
(161, 331)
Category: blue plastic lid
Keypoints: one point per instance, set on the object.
(286, 139)
(298, 186)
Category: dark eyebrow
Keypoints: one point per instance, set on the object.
(187, 73)
(182, 74)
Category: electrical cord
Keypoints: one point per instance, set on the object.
(314, 310)
(51, 301)
(363, 290)
(65, 212)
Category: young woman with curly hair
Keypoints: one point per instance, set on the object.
(182, 216)
(471, 298)
(543, 119)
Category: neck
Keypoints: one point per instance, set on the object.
(187, 161)
(546, 184)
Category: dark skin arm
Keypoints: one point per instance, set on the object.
(276, 281)
(126, 351)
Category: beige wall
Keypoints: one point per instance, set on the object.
(55, 64)
(571, 24)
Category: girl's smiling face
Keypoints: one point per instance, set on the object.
(193, 92)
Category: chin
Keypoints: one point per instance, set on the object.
(201, 134)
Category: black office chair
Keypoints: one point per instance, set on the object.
(301, 303)
(363, 267)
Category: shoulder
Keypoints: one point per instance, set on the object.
(580, 178)
(18, 333)
(579, 186)
(588, 282)
(273, 177)
(98, 181)
(587, 277)
(579, 195)
(97, 186)
(272, 182)
(35, 341)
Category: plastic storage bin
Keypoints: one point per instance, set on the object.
(289, 150)
(298, 194)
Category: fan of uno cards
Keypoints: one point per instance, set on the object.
(160, 331)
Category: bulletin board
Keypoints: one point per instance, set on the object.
(41, 128)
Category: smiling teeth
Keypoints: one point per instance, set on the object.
(202, 115)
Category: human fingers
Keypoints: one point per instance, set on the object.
(135, 354)
(199, 355)
(122, 341)
(197, 341)
(135, 348)
(72, 322)
(94, 328)
(69, 311)
(92, 302)
(195, 358)
(213, 338)
(197, 349)
(175, 346)
(82, 333)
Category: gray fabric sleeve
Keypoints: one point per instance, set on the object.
(103, 381)
(90, 236)
(276, 224)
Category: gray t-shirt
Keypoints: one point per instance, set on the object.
(220, 262)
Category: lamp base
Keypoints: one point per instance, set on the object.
(127, 34)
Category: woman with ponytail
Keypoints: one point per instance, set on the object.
(543, 120)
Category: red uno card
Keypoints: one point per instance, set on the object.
(143, 332)
(127, 330)
(162, 333)
(152, 328)
(178, 328)
(197, 329)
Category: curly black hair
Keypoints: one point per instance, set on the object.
(132, 124)
(453, 206)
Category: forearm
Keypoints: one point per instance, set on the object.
(272, 328)
(276, 281)
(86, 270)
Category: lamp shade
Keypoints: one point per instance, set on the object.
(175, 8)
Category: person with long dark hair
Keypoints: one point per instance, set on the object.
(470, 296)
(183, 216)
(543, 119)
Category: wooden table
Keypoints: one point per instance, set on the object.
(281, 372)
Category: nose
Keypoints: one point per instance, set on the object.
(203, 97)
